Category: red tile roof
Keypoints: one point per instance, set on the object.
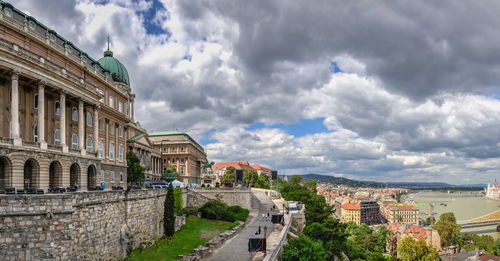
(401, 207)
(351, 206)
(242, 164)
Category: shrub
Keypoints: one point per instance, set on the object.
(238, 212)
(216, 209)
(190, 211)
(177, 200)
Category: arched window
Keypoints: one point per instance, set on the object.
(111, 151)
(74, 141)
(57, 136)
(89, 119)
(57, 108)
(90, 144)
(120, 152)
(112, 174)
(35, 133)
(7, 11)
(101, 149)
(74, 114)
(35, 101)
(122, 177)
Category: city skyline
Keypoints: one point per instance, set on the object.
(370, 91)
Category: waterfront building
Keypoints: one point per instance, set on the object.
(181, 151)
(493, 191)
(401, 214)
(66, 118)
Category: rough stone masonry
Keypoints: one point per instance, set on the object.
(102, 225)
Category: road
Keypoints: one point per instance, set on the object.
(237, 247)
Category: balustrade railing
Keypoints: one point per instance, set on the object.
(54, 147)
(33, 144)
(6, 140)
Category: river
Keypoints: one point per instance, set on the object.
(466, 205)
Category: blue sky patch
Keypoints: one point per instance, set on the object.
(334, 67)
(302, 128)
(152, 27)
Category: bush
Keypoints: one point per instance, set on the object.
(238, 212)
(190, 211)
(177, 200)
(216, 209)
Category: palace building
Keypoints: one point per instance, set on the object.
(66, 118)
(181, 151)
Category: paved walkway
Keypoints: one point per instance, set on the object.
(237, 247)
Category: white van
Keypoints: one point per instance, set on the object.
(292, 207)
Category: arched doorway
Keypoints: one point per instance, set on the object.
(31, 173)
(5, 173)
(74, 174)
(55, 174)
(91, 176)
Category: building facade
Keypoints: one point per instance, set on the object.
(401, 214)
(219, 169)
(179, 150)
(65, 117)
(149, 156)
(370, 212)
(351, 212)
(493, 191)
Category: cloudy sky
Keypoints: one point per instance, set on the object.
(371, 90)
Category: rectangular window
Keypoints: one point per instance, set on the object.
(112, 176)
(111, 102)
(122, 177)
(111, 128)
(120, 131)
(89, 119)
(111, 151)
(120, 106)
(101, 149)
(120, 152)
(57, 136)
(101, 124)
(102, 175)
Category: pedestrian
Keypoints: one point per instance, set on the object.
(265, 230)
(263, 216)
(267, 216)
(259, 230)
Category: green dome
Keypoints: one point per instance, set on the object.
(116, 68)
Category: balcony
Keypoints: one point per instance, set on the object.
(6, 140)
(57, 148)
(32, 144)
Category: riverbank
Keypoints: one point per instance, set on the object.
(465, 205)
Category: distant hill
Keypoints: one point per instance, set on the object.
(342, 181)
(414, 185)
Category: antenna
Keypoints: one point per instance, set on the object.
(108, 42)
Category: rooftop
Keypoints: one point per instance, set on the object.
(166, 133)
(351, 206)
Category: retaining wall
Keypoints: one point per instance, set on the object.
(102, 225)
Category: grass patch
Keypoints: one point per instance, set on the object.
(196, 232)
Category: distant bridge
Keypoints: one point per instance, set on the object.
(491, 219)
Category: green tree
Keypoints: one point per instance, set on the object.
(178, 200)
(332, 233)
(229, 176)
(429, 221)
(304, 248)
(310, 185)
(416, 250)
(169, 216)
(170, 174)
(317, 210)
(135, 172)
(448, 229)
(251, 177)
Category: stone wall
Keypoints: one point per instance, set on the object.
(102, 225)
(242, 197)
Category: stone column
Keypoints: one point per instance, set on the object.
(96, 128)
(62, 122)
(14, 108)
(41, 115)
(81, 127)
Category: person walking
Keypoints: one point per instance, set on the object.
(259, 230)
(265, 230)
